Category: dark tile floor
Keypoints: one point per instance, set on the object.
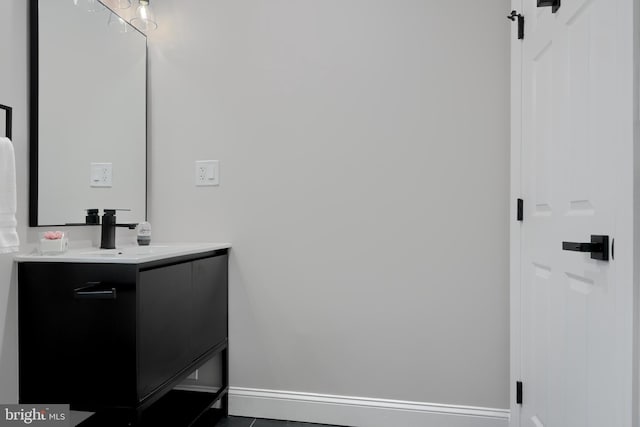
(259, 422)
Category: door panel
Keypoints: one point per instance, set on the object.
(209, 306)
(542, 150)
(66, 342)
(569, 160)
(164, 295)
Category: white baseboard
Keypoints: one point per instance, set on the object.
(358, 411)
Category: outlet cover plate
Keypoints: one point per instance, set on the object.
(207, 173)
(101, 175)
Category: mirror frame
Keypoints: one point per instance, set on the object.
(34, 92)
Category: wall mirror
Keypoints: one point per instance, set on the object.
(88, 113)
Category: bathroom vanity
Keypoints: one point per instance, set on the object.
(114, 331)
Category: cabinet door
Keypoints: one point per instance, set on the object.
(209, 303)
(163, 322)
(77, 334)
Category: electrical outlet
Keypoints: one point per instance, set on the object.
(207, 173)
(101, 175)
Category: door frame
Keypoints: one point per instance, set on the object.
(515, 233)
(627, 230)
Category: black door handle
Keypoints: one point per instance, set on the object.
(599, 247)
(582, 247)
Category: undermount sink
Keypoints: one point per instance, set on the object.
(125, 255)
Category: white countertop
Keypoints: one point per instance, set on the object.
(126, 254)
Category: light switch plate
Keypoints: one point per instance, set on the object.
(101, 175)
(207, 173)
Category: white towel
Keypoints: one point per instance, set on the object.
(9, 241)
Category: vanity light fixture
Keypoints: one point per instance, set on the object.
(145, 19)
(123, 4)
(117, 24)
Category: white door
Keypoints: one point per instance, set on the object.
(575, 177)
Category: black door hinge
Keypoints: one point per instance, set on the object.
(520, 213)
(520, 18)
(519, 392)
(555, 4)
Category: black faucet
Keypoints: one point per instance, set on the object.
(108, 239)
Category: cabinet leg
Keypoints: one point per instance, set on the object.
(224, 402)
(224, 405)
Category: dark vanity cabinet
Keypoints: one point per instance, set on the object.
(116, 337)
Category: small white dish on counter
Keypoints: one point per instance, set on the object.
(54, 247)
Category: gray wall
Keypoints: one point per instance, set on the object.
(364, 183)
(364, 159)
(13, 92)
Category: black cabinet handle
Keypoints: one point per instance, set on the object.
(94, 290)
(599, 247)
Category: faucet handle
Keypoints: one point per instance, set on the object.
(92, 217)
(130, 226)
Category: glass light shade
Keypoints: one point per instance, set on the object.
(145, 19)
(117, 24)
(123, 4)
